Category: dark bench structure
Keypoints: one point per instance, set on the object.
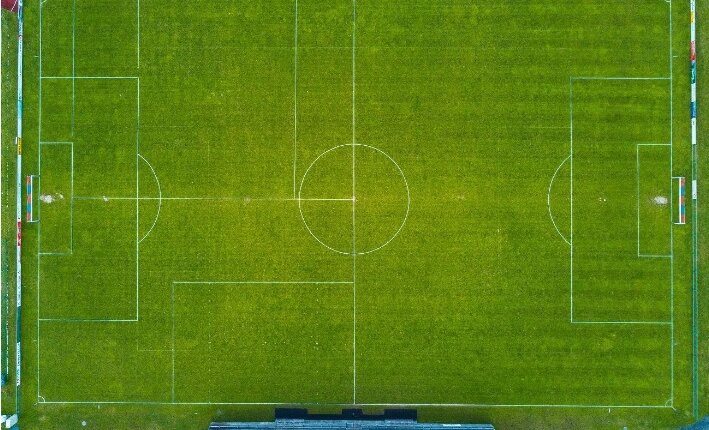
(349, 419)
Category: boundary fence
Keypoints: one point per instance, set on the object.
(695, 210)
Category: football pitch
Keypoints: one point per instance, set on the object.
(466, 207)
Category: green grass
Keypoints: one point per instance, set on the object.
(8, 123)
(199, 243)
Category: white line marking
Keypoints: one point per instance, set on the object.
(364, 404)
(672, 264)
(619, 78)
(86, 320)
(354, 204)
(451, 405)
(73, 64)
(625, 322)
(637, 192)
(323, 200)
(173, 342)
(571, 132)
(88, 77)
(295, 97)
(571, 197)
(137, 206)
(227, 199)
(71, 205)
(157, 181)
(39, 189)
(408, 199)
(210, 382)
(138, 19)
(259, 282)
(137, 202)
(553, 177)
(225, 283)
(6, 327)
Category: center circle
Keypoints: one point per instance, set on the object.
(354, 199)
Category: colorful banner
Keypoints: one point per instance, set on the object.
(11, 5)
(29, 198)
(682, 204)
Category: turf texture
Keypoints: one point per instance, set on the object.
(464, 207)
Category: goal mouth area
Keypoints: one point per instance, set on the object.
(679, 185)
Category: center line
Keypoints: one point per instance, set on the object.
(295, 97)
(354, 199)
